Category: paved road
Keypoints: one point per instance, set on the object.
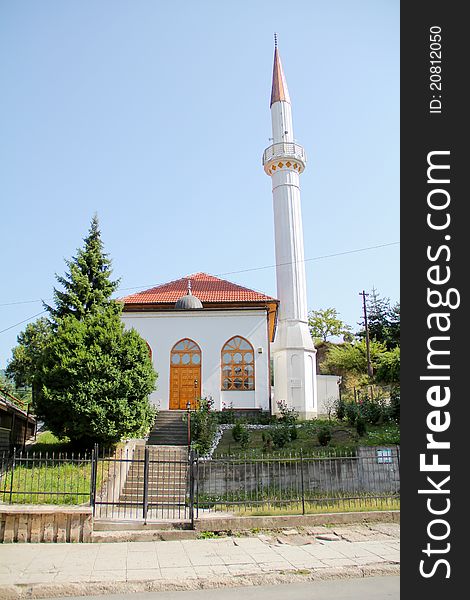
(369, 588)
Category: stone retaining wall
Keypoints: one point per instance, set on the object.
(26, 523)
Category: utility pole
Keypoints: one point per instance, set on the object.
(370, 371)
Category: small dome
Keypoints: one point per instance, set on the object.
(188, 302)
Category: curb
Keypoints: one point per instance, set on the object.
(51, 590)
(280, 521)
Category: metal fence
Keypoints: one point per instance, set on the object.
(148, 483)
(153, 483)
(366, 480)
(45, 478)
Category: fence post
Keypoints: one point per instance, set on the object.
(13, 463)
(191, 487)
(94, 471)
(146, 484)
(302, 480)
(197, 486)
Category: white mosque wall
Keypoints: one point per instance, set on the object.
(210, 330)
(328, 392)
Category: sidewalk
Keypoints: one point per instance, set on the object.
(46, 570)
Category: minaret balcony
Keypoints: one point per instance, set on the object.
(284, 155)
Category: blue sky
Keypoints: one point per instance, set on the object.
(155, 114)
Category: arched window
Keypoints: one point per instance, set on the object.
(149, 350)
(238, 365)
(186, 353)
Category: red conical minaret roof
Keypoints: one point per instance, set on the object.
(279, 91)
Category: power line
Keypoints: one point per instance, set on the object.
(322, 257)
(24, 321)
(150, 285)
(311, 259)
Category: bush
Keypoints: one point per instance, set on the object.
(293, 434)
(340, 409)
(244, 438)
(288, 416)
(203, 426)
(351, 412)
(267, 441)
(280, 436)
(237, 431)
(372, 411)
(393, 412)
(324, 435)
(361, 426)
(226, 415)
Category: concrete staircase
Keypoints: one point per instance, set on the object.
(167, 477)
(169, 429)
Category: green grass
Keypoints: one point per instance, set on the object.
(48, 442)
(319, 507)
(49, 472)
(30, 482)
(344, 439)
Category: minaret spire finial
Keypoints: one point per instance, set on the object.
(279, 92)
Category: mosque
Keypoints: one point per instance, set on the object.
(209, 337)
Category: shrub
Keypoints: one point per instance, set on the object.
(340, 409)
(226, 415)
(288, 416)
(351, 412)
(280, 436)
(393, 412)
(361, 426)
(267, 441)
(244, 438)
(324, 435)
(237, 431)
(203, 426)
(372, 411)
(293, 434)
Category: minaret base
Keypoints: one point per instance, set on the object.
(294, 361)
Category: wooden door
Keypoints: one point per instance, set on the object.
(185, 375)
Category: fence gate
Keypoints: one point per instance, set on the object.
(146, 483)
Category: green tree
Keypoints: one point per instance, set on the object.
(344, 358)
(91, 378)
(383, 320)
(87, 285)
(325, 323)
(393, 333)
(95, 379)
(388, 369)
(23, 368)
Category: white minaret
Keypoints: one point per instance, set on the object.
(293, 350)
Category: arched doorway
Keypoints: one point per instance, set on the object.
(185, 374)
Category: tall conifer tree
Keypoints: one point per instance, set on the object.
(92, 377)
(87, 285)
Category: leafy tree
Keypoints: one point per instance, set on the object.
(344, 358)
(23, 368)
(91, 378)
(326, 323)
(388, 369)
(95, 380)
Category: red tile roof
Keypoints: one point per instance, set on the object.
(207, 288)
